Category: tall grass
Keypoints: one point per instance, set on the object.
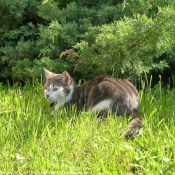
(32, 141)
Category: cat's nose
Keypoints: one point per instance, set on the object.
(47, 95)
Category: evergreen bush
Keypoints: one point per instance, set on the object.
(123, 38)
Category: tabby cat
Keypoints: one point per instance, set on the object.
(101, 96)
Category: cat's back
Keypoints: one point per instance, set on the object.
(110, 85)
(104, 92)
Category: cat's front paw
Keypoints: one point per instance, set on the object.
(53, 112)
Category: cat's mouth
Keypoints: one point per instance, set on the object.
(48, 97)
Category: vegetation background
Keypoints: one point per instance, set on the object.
(124, 38)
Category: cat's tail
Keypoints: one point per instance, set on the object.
(134, 126)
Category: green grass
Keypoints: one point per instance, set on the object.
(32, 141)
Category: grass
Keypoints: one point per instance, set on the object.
(32, 141)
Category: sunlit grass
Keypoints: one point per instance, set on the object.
(33, 141)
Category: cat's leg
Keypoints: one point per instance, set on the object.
(134, 126)
(56, 110)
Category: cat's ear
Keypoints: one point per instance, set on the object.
(66, 76)
(49, 74)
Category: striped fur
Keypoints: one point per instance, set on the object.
(102, 96)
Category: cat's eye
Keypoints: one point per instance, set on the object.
(55, 89)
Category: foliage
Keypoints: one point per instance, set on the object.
(123, 38)
(33, 69)
(130, 46)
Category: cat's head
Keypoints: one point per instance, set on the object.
(58, 87)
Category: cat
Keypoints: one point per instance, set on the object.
(102, 96)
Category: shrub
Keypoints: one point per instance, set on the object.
(123, 38)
